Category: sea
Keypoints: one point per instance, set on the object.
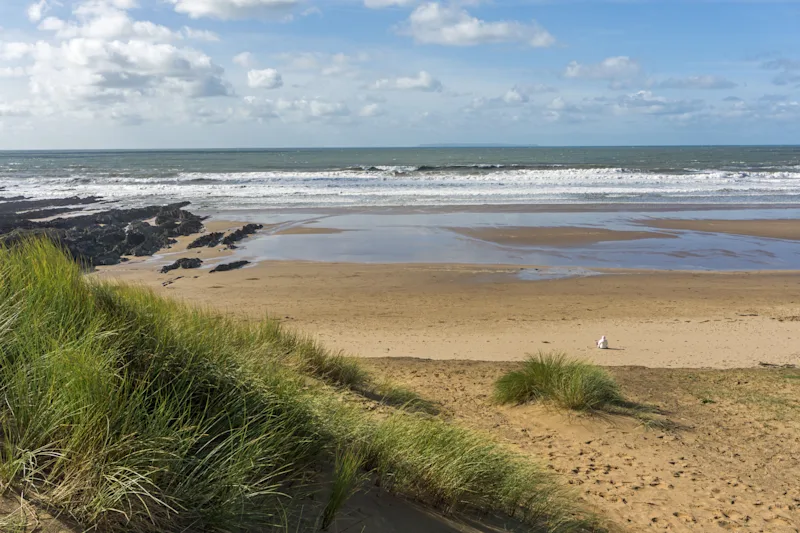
(369, 177)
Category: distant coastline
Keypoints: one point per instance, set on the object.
(477, 145)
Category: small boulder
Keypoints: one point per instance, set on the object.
(230, 266)
(184, 262)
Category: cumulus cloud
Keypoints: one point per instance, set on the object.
(522, 93)
(611, 68)
(245, 59)
(289, 110)
(518, 95)
(37, 10)
(234, 9)
(371, 110)
(12, 51)
(694, 82)
(12, 72)
(264, 79)
(421, 82)
(645, 102)
(19, 109)
(99, 62)
(788, 70)
(451, 25)
(339, 64)
(379, 4)
(200, 35)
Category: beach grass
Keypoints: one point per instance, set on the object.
(554, 377)
(129, 412)
(348, 473)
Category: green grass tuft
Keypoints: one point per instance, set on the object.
(347, 475)
(553, 377)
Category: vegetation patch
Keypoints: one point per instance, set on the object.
(553, 377)
(128, 412)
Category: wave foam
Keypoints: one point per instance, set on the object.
(395, 185)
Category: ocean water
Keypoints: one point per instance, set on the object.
(320, 178)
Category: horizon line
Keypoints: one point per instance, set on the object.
(397, 147)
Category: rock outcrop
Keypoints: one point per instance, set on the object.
(230, 266)
(211, 240)
(100, 238)
(241, 233)
(183, 262)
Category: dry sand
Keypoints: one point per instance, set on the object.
(730, 462)
(657, 319)
(554, 236)
(773, 229)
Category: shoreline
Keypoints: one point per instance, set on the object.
(610, 207)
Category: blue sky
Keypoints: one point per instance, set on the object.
(272, 73)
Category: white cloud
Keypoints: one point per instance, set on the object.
(325, 64)
(296, 110)
(451, 25)
(380, 4)
(264, 79)
(515, 96)
(421, 82)
(11, 51)
(12, 72)
(200, 35)
(340, 64)
(371, 110)
(318, 109)
(234, 9)
(645, 102)
(101, 63)
(14, 110)
(37, 10)
(788, 70)
(611, 68)
(245, 59)
(694, 82)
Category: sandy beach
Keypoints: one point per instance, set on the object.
(771, 229)
(678, 319)
(712, 351)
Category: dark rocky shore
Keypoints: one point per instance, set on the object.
(104, 237)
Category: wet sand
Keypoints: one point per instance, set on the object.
(554, 236)
(771, 229)
(309, 230)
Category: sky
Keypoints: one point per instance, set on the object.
(103, 74)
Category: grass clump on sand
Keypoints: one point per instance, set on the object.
(555, 378)
(129, 412)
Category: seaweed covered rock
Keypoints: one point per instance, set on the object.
(100, 238)
(143, 239)
(241, 233)
(230, 266)
(210, 240)
(175, 221)
(183, 262)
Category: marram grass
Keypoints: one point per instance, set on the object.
(555, 378)
(132, 413)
